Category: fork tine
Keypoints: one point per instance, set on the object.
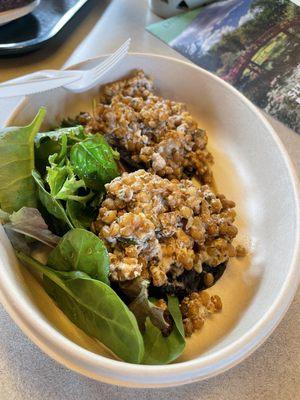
(120, 50)
(101, 71)
(93, 76)
(111, 59)
(109, 64)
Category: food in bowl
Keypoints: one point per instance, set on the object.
(132, 241)
(149, 131)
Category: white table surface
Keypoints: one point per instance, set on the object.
(272, 372)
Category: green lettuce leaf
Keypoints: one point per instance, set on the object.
(17, 188)
(47, 143)
(64, 185)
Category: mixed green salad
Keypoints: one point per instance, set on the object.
(51, 186)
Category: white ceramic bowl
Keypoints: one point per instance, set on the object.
(16, 13)
(252, 168)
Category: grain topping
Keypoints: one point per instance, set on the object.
(159, 228)
(149, 131)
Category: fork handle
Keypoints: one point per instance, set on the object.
(36, 76)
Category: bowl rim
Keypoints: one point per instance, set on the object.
(81, 360)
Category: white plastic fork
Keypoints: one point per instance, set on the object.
(91, 77)
(74, 80)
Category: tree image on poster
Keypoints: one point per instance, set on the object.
(255, 46)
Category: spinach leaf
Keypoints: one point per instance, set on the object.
(74, 133)
(80, 215)
(52, 205)
(30, 223)
(136, 291)
(95, 308)
(160, 349)
(81, 250)
(94, 161)
(17, 188)
(47, 143)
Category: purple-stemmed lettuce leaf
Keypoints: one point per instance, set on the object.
(30, 223)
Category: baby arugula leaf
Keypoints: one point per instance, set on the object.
(80, 250)
(160, 349)
(52, 205)
(93, 161)
(95, 308)
(17, 188)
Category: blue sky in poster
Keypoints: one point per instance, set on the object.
(212, 23)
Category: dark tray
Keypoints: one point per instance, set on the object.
(33, 30)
